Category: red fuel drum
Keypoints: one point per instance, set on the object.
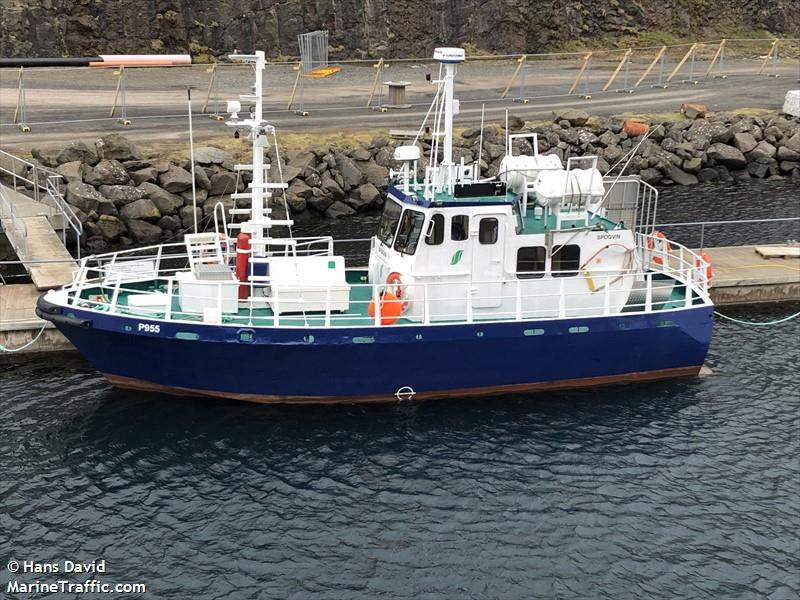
(242, 260)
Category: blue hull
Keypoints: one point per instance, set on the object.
(372, 364)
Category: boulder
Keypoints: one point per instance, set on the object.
(575, 117)
(201, 178)
(169, 223)
(300, 189)
(226, 201)
(46, 158)
(166, 202)
(211, 155)
(288, 172)
(117, 147)
(320, 204)
(786, 153)
(301, 159)
(111, 228)
(330, 188)
(187, 220)
(71, 171)
(106, 172)
(148, 174)
(175, 179)
(793, 143)
(727, 156)
(296, 203)
(83, 196)
(680, 177)
(143, 210)
(369, 195)
(713, 131)
(692, 165)
(122, 194)
(378, 176)
(762, 150)
(707, 174)
(339, 209)
(361, 154)
(744, 141)
(222, 183)
(96, 244)
(516, 123)
(135, 165)
(143, 232)
(351, 175)
(77, 151)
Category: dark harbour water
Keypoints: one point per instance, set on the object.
(680, 489)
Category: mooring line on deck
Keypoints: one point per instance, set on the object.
(757, 323)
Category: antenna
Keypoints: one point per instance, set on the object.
(191, 158)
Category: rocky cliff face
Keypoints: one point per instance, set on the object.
(360, 28)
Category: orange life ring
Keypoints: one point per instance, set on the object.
(395, 282)
(704, 257)
(660, 244)
(391, 308)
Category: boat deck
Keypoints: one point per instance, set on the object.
(357, 314)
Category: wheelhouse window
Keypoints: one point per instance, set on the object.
(566, 261)
(459, 228)
(389, 220)
(531, 262)
(409, 232)
(436, 233)
(487, 231)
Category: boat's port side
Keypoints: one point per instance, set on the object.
(671, 281)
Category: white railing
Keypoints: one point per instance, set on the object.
(15, 227)
(44, 183)
(572, 294)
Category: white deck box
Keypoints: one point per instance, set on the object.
(196, 295)
(299, 284)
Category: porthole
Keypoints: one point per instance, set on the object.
(187, 335)
(308, 339)
(246, 336)
(532, 332)
(364, 339)
(580, 329)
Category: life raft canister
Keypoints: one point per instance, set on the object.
(395, 284)
(660, 245)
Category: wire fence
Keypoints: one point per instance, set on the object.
(34, 97)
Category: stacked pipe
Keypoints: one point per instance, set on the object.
(102, 60)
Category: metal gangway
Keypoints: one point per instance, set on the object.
(37, 222)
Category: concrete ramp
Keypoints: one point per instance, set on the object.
(27, 225)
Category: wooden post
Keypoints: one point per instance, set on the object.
(618, 69)
(716, 56)
(296, 81)
(520, 64)
(213, 71)
(586, 60)
(651, 65)
(378, 66)
(768, 56)
(680, 64)
(19, 95)
(121, 72)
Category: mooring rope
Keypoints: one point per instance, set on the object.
(24, 346)
(758, 323)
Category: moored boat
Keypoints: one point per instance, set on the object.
(548, 276)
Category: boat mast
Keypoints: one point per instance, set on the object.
(449, 58)
(260, 189)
